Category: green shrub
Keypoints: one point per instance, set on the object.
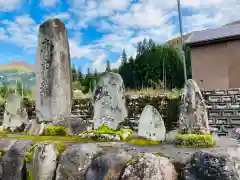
(143, 142)
(195, 140)
(104, 129)
(55, 131)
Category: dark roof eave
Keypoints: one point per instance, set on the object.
(218, 40)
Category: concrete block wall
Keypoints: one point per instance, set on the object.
(223, 109)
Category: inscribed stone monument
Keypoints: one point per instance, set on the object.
(109, 101)
(53, 74)
(15, 115)
(151, 125)
(193, 117)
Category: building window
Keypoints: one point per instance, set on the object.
(201, 81)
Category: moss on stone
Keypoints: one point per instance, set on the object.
(29, 174)
(195, 140)
(124, 134)
(136, 159)
(60, 146)
(143, 142)
(55, 131)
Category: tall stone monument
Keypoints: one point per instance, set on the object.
(53, 72)
(109, 101)
(193, 117)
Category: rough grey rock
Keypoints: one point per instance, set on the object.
(53, 76)
(110, 165)
(235, 133)
(214, 164)
(171, 135)
(5, 145)
(151, 125)
(193, 117)
(15, 115)
(35, 128)
(44, 161)
(13, 160)
(75, 160)
(150, 166)
(78, 125)
(109, 101)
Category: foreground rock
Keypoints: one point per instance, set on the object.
(15, 115)
(109, 101)
(217, 164)
(75, 160)
(44, 161)
(110, 165)
(53, 77)
(149, 166)
(13, 160)
(151, 125)
(193, 117)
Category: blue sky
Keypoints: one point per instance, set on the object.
(99, 29)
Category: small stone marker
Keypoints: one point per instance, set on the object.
(109, 101)
(15, 115)
(53, 76)
(151, 125)
(193, 116)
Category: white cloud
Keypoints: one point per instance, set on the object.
(61, 16)
(48, 3)
(3, 35)
(22, 31)
(9, 5)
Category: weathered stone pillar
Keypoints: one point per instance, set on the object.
(53, 72)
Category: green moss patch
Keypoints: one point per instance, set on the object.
(143, 142)
(29, 174)
(61, 147)
(195, 140)
(136, 159)
(4, 132)
(124, 134)
(55, 131)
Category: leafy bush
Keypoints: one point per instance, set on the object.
(195, 140)
(55, 131)
(143, 142)
(104, 129)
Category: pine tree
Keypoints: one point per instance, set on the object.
(108, 67)
(124, 57)
(95, 72)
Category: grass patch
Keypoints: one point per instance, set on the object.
(46, 138)
(55, 131)
(143, 142)
(4, 132)
(195, 140)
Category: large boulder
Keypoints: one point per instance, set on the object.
(15, 115)
(13, 160)
(214, 164)
(193, 117)
(75, 160)
(110, 165)
(149, 166)
(109, 101)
